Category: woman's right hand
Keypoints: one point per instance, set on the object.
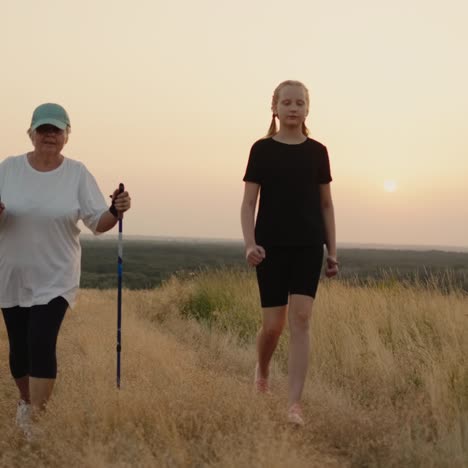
(254, 254)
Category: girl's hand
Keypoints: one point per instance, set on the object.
(255, 254)
(121, 201)
(332, 267)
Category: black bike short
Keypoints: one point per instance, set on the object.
(289, 270)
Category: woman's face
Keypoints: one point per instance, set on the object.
(49, 139)
(292, 107)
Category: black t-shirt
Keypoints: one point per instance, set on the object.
(289, 176)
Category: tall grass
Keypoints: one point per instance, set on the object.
(391, 359)
(387, 386)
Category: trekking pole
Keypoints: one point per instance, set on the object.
(119, 291)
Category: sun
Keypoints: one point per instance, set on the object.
(390, 185)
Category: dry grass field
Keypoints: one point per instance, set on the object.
(387, 387)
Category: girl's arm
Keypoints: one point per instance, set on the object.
(254, 253)
(328, 215)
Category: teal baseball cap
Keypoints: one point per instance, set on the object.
(51, 114)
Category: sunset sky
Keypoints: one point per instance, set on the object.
(168, 97)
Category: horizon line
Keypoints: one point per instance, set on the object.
(344, 244)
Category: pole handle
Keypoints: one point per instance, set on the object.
(121, 190)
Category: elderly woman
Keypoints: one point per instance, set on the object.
(43, 196)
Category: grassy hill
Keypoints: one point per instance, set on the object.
(387, 387)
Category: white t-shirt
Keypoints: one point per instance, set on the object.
(40, 252)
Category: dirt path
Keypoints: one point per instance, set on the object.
(186, 399)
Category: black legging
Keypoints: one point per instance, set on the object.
(32, 333)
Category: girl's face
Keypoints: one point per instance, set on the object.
(292, 107)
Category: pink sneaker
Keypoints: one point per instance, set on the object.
(260, 383)
(295, 415)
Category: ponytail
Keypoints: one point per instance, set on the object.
(272, 130)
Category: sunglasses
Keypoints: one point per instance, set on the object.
(47, 128)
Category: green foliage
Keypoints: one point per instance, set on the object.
(446, 271)
(225, 299)
(148, 263)
(200, 306)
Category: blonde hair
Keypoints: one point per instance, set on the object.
(273, 130)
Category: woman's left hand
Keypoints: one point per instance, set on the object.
(122, 201)
(332, 267)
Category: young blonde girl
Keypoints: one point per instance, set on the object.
(291, 173)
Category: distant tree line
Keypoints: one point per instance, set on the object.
(148, 263)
